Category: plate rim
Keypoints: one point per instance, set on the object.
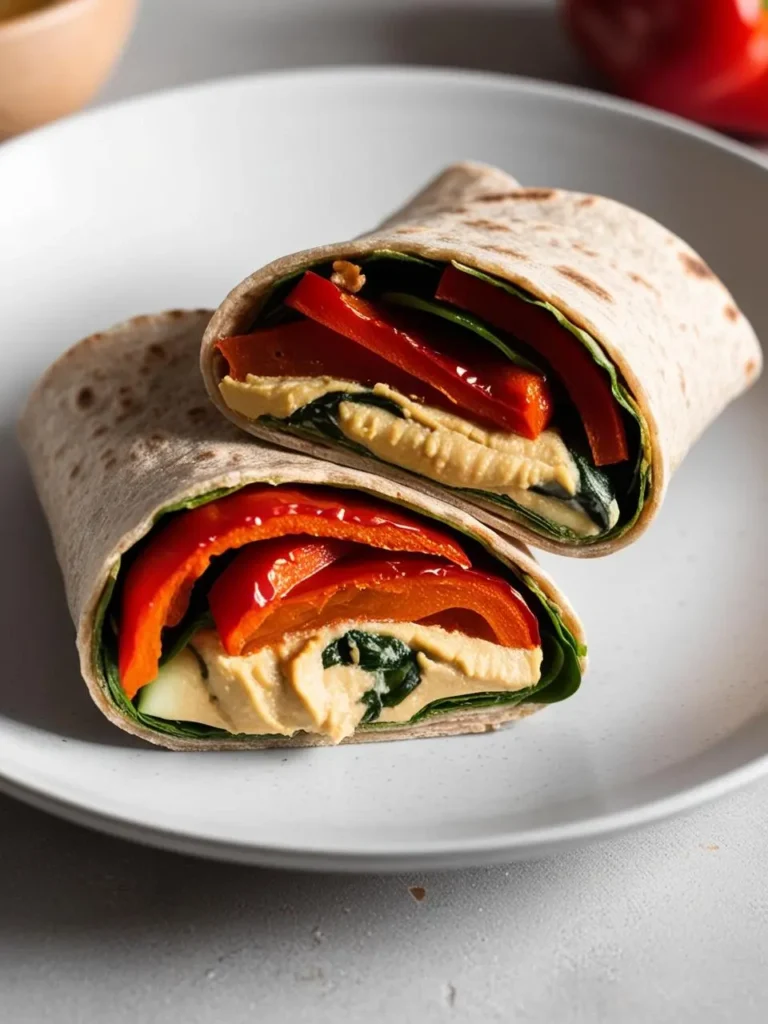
(419, 853)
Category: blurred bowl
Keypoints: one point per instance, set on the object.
(54, 58)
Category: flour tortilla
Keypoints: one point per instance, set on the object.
(121, 427)
(680, 343)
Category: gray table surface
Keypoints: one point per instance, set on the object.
(670, 924)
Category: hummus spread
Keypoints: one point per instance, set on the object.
(431, 442)
(283, 689)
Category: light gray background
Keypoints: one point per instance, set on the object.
(670, 924)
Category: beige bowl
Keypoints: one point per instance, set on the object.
(53, 59)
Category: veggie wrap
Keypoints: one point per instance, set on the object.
(541, 357)
(227, 594)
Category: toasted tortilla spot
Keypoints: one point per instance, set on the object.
(156, 351)
(505, 251)
(486, 225)
(410, 229)
(586, 282)
(694, 265)
(110, 463)
(731, 313)
(175, 314)
(75, 471)
(204, 456)
(586, 201)
(750, 367)
(585, 249)
(639, 279)
(683, 383)
(101, 430)
(85, 398)
(518, 193)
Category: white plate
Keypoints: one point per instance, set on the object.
(168, 201)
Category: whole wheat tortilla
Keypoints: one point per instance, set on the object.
(674, 332)
(120, 427)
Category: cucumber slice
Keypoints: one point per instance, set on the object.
(179, 693)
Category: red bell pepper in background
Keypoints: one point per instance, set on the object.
(159, 583)
(703, 59)
(491, 390)
(369, 587)
(587, 385)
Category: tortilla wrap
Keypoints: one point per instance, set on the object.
(120, 428)
(680, 345)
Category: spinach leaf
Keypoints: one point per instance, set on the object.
(323, 412)
(461, 319)
(595, 495)
(392, 664)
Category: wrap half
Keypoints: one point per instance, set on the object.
(227, 594)
(544, 358)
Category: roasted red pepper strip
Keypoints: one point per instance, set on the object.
(704, 59)
(304, 348)
(585, 382)
(261, 575)
(159, 582)
(491, 389)
(368, 587)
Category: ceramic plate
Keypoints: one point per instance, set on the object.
(168, 201)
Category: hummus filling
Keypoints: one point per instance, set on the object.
(432, 443)
(285, 689)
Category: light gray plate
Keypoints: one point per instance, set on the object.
(167, 202)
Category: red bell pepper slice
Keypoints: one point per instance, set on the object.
(704, 59)
(491, 389)
(367, 587)
(304, 348)
(262, 574)
(587, 385)
(158, 584)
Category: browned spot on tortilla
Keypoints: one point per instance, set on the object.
(153, 442)
(110, 463)
(537, 194)
(60, 450)
(410, 229)
(204, 456)
(133, 455)
(156, 351)
(124, 389)
(235, 458)
(586, 282)
(683, 383)
(542, 227)
(142, 318)
(108, 454)
(85, 398)
(486, 225)
(750, 367)
(418, 892)
(639, 279)
(505, 251)
(144, 371)
(75, 471)
(202, 312)
(554, 243)
(731, 313)
(100, 431)
(586, 201)
(585, 249)
(694, 265)
(175, 314)
(126, 402)
(198, 414)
